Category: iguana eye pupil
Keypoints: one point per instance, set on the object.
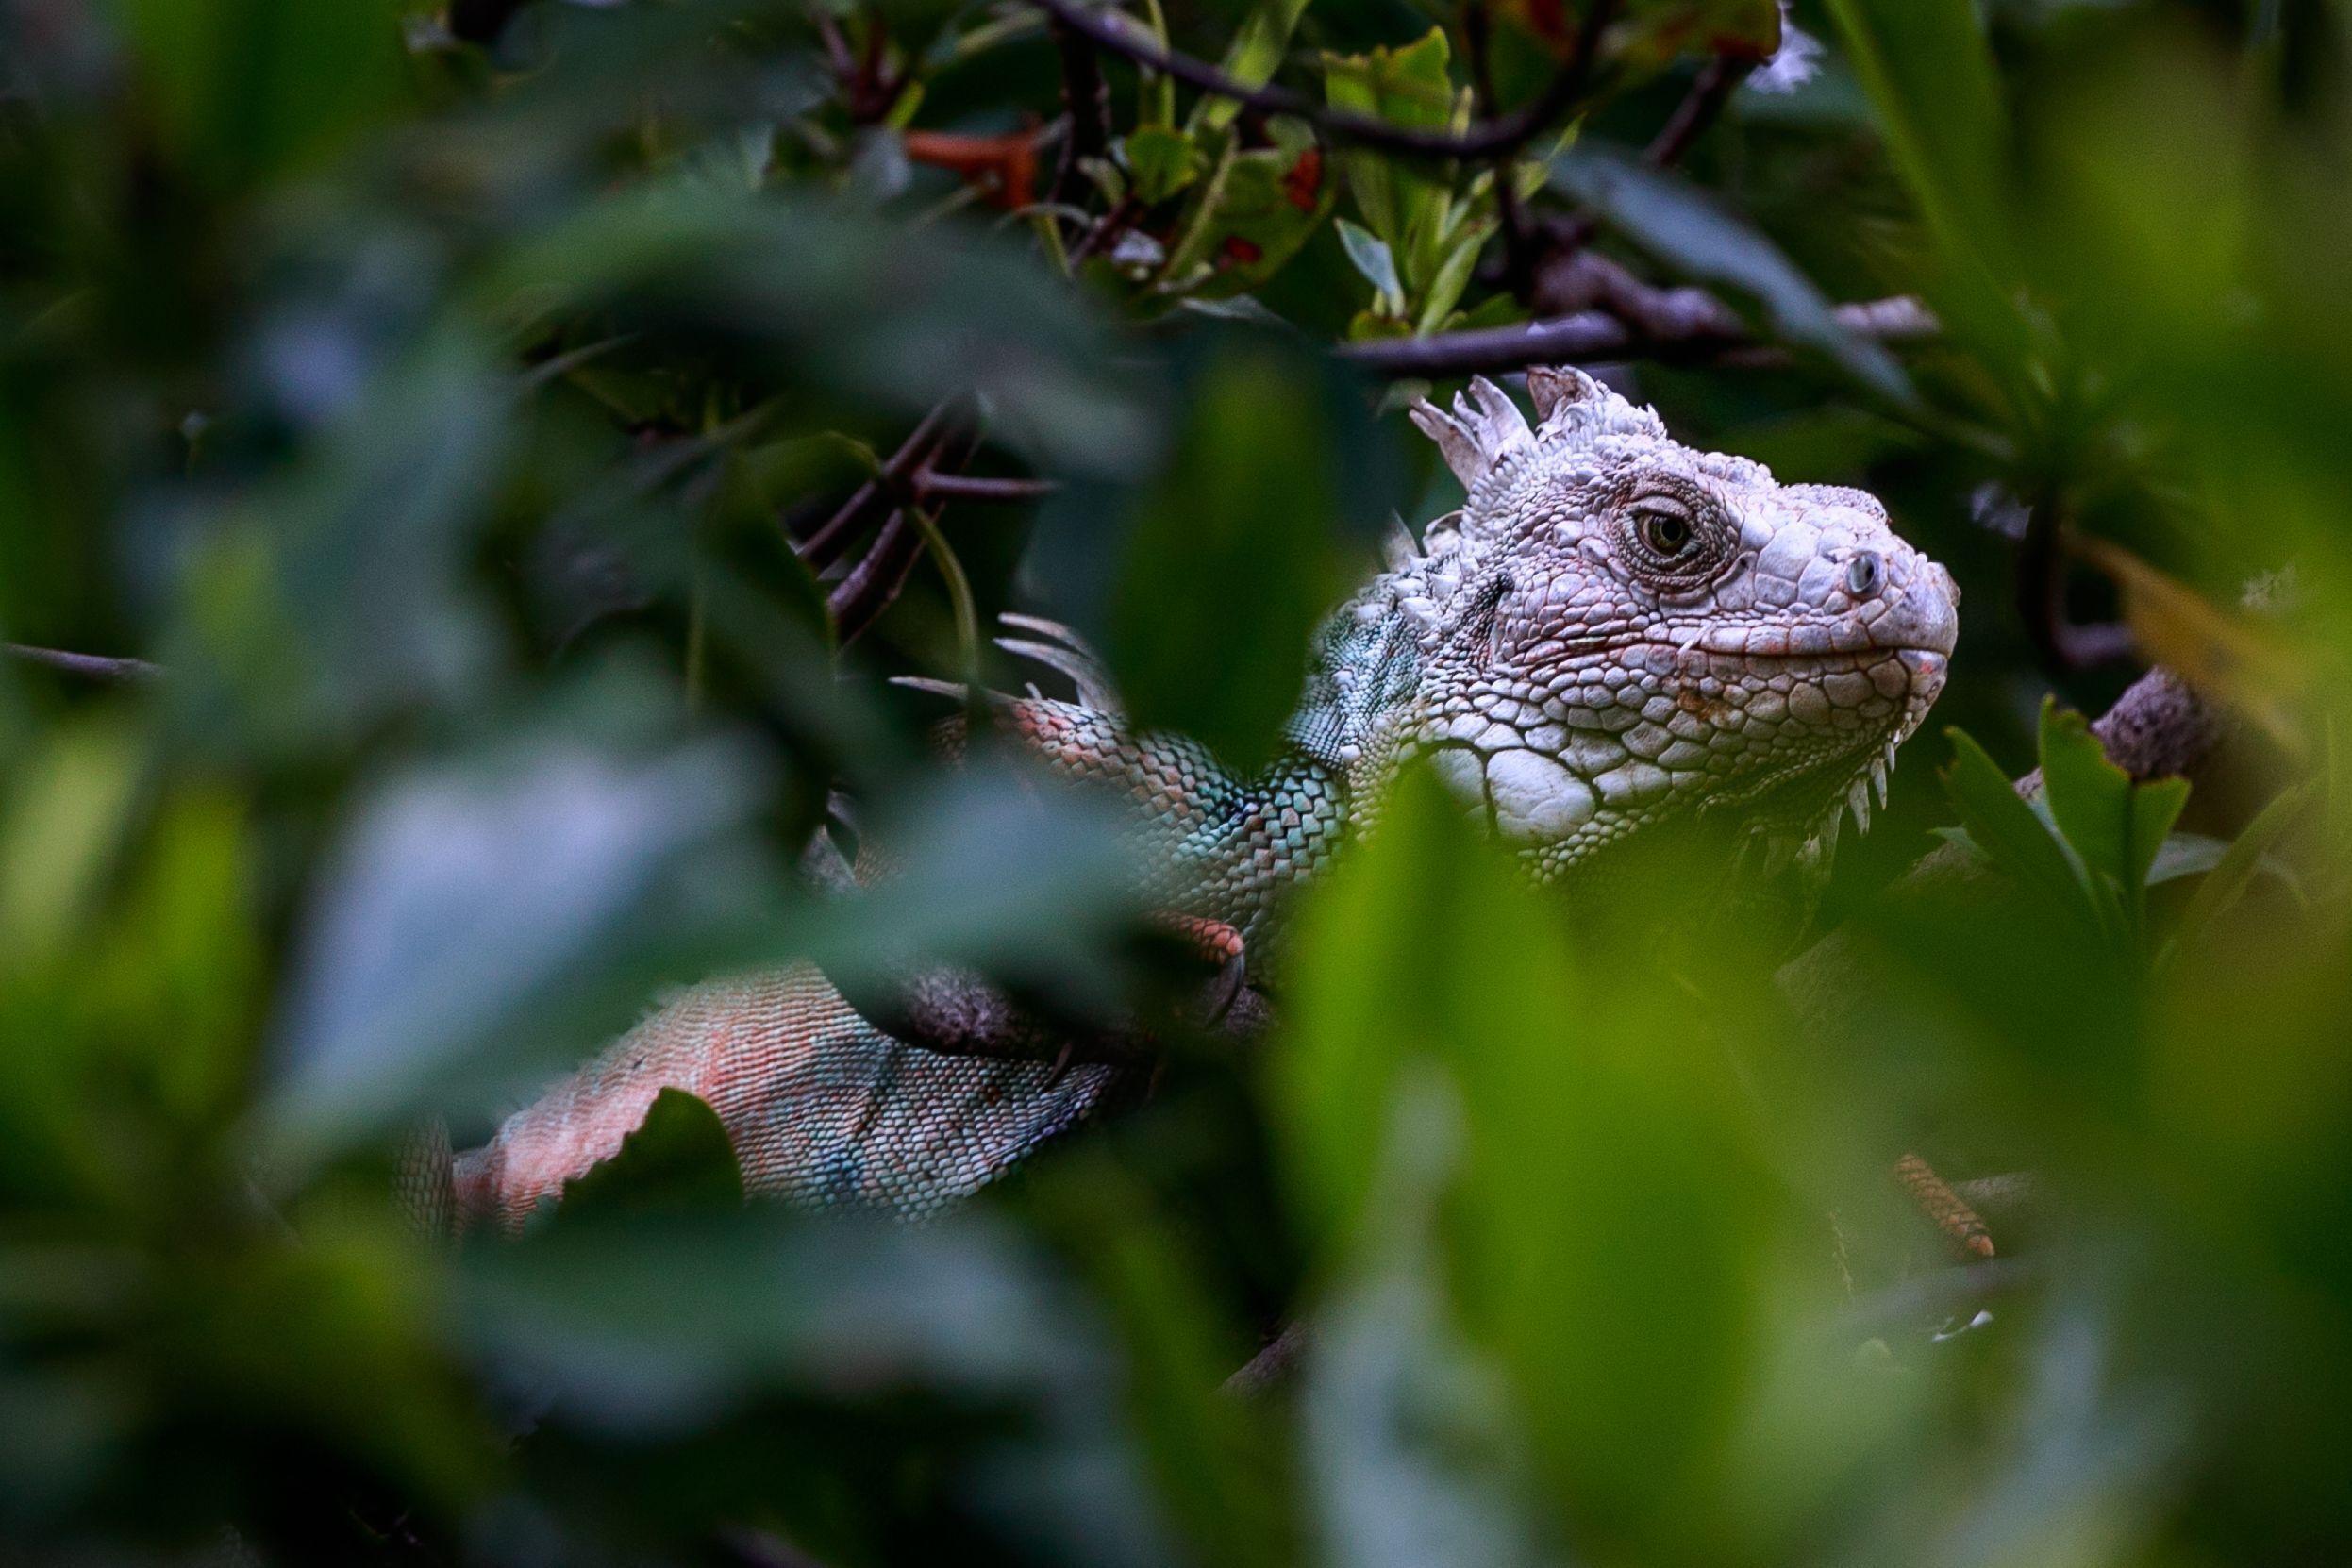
(1668, 533)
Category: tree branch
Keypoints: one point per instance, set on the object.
(1500, 136)
(930, 484)
(824, 547)
(94, 666)
(1677, 325)
(1712, 88)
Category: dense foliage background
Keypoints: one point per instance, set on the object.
(465, 415)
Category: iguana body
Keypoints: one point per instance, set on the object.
(1615, 630)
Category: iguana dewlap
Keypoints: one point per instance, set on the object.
(1613, 631)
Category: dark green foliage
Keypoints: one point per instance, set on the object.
(678, 1157)
(448, 420)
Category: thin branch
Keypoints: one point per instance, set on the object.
(1710, 91)
(2065, 647)
(930, 484)
(875, 582)
(825, 546)
(859, 599)
(1500, 136)
(1518, 258)
(1086, 97)
(94, 666)
(1679, 335)
(1717, 80)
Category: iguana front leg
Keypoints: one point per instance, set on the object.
(825, 1107)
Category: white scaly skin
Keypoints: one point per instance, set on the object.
(1617, 630)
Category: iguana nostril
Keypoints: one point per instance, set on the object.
(1864, 572)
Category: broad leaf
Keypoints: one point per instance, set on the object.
(1698, 238)
(679, 1157)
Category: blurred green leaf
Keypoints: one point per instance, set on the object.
(249, 88)
(679, 1157)
(64, 819)
(1931, 75)
(459, 897)
(1608, 1209)
(1234, 556)
(2234, 872)
(1689, 232)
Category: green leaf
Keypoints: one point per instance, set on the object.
(1370, 255)
(1930, 76)
(2115, 827)
(1413, 87)
(1675, 222)
(1161, 161)
(2090, 797)
(249, 88)
(1601, 1199)
(2236, 869)
(2011, 835)
(1233, 556)
(1257, 211)
(678, 1157)
(1453, 277)
(2155, 807)
(1250, 59)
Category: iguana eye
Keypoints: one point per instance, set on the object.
(1670, 534)
(1665, 529)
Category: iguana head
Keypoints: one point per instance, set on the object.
(1616, 630)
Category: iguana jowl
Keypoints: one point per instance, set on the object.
(1613, 630)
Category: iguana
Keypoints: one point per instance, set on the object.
(1615, 630)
